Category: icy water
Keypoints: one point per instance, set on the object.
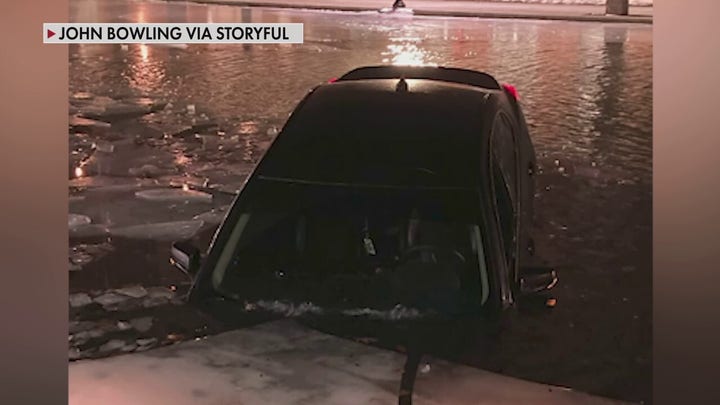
(178, 129)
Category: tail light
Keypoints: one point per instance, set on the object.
(333, 80)
(510, 89)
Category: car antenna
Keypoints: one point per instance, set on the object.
(402, 85)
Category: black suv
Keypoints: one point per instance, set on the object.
(390, 186)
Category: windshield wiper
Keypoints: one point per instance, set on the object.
(360, 185)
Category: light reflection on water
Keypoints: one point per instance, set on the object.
(586, 88)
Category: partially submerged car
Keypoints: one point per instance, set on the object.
(400, 194)
(389, 186)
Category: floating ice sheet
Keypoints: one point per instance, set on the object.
(174, 195)
(164, 231)
(77, 220)
(79, 300)
(133, 291)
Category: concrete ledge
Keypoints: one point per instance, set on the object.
(284, 362)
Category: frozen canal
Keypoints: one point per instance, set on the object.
(161, 137)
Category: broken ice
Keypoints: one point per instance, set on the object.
(122, 325)
(84, 254)
(74, 354)
(79, 300)
(161, 292)
(212, 217)
(112, 345)
(105, 147)
(164, 231)
(77, 220)
(174, 195)
(128, 348)
(88, 231)
(134, 291)
(109, 299)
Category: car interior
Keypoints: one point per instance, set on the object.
(346, 257)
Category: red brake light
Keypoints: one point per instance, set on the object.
(333, 80)
(512, 90)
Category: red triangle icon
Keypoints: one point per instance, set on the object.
(50, 33)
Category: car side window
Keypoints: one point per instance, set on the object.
(504, 149)
(505, 211)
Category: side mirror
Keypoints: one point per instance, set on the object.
(186, 257)
(536, 280)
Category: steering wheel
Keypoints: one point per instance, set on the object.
(433, 251)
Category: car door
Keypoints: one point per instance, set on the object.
(504, 166)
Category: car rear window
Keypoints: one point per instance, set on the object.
(399, 139)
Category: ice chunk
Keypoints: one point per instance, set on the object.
(112, 345)
(145, 344)
(228, 188)
(110, 298)
(398, 312)
(161, 292)
(80, 326)
(150, 302)
(174, 195)
(118, 112)
(129, 348)
(105, 147)
(88, 231)
(286, 308)
(80, 124)
(79, 300)
(97, 332)
(79, 338)
(74, 354)
(122, 325)
(214, 216)
(77, 220)
(134, 291)
(164, 231)
(142, 324)
(83, 254)
(146, 341)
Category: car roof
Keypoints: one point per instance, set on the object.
(362, 103)
(439, 73)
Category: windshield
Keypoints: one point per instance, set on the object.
(335, 246)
